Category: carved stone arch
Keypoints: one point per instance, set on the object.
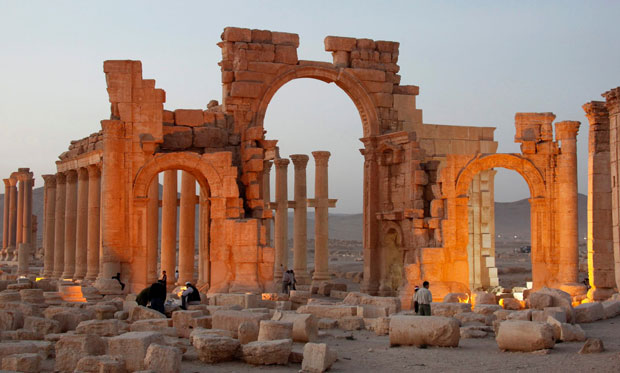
(347, 82)
(204, 172)
(515, 162)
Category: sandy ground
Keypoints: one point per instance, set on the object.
(369, 353)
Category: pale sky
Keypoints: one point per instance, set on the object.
(476, 62)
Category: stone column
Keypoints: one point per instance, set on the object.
(27, 216)
(612, 103)
(601, 272)
(49, 223)
(187, 227)
(70, 223)
(204, 275)
(169, 224)
(81, 240)
(300, 232)
(566, 202)
(281, 219)
(20, 210)
(94, 215)
(5, 216)
(152, 241)
(321, 205)
(12, 218)
(372, 259)
(59, 225)
(267, 197)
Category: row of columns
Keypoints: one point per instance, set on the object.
(17, 237)
(321, 204)
(72, 201)
(187, 235)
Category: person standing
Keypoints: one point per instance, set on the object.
(157, 296)
(415, 303)
(176, 276)
(118, 278)
(164, 278)
(424, 299)
(286, 282)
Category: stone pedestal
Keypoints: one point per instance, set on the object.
(169, 225)
(94, 220)
(187, 228)
(70, 224)
(49, 223)
(81, 242)
(281, 219)
(59, 225)
(23, 256)
(300, 233)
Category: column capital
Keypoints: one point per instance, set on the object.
(281, 162)
(612, 98)
(94, 169)
(300, 161)
(61, 178)
(7, 182)
(321, 157)
(267, 166)
(82, 174)
(596, 112)
(12, 181)
(49, 180)
(567, 130)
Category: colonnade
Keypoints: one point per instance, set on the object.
(186, 205)
(17, 237)
(71, 243)
(321, 204)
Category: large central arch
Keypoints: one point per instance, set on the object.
(346, 81)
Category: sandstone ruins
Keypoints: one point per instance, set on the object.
(428, 215)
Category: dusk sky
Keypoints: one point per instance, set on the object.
(477, 63)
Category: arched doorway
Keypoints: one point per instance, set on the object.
(538, 206)
(193, 170)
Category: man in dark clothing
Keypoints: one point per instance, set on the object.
(189, 296)
(143, 297)
(157, 296)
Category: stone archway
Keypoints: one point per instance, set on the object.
(211, 188)
(346, 81)
(535, 182)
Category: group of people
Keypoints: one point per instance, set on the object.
(157, 292)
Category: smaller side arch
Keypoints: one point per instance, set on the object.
(515, 162)
(204, 172)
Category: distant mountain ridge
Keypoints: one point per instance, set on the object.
(511, 218)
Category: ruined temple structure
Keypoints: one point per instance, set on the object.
(428, 189)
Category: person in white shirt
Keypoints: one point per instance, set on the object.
(424, 298)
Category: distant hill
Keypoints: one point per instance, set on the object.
(511, 218)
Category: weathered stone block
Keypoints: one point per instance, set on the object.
(267, 352)
(247, 332)
(71, 348)
(27, 362)
(41, 326)
(214, 348)
(328, 311)
(524, 336)
(449, 309)
(230, 320)
(317, 358)
(210, 137)
(11, 320)
(270, 330)
(424, 331)
(589, 312)
(101, 363)
(163, 359)
(183, 322)
(144, 313)
(102, 328)
(336, 43)
(132, 347)
(188, 117)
